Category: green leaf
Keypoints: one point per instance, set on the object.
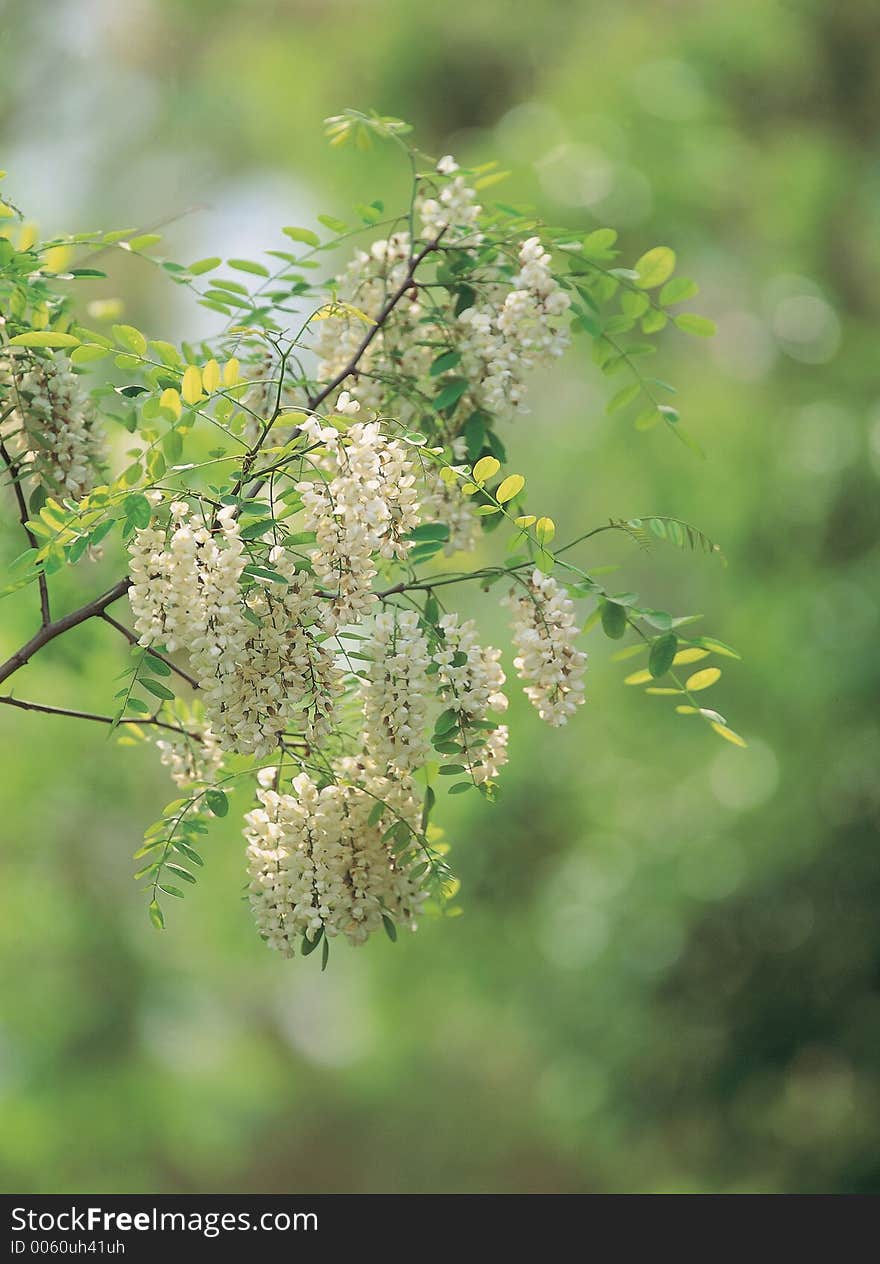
(448, 360)
(510, 487)
(87, 353)
(180, 872)
(678, 291)
(157, 690)
(309, 945)
(429, 531)
(623, 397)
(248, 265)
(302, 234)
(144, 241)
(43, 338)
(217, 802)
(137, 509)
(655, 267)
(450, 393)
(132, 339)
(205, 265)
(663, 651)
(390, 928)
(157, 665)
(446, 721)
(596, 245)
(335, 225)
(156, 915)
(613, 619)
(691, 323)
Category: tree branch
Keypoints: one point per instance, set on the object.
(24, 705)
(23, 515)
(132, 640)
(315, 401)
(49, 631)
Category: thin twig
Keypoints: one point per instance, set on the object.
(316, 400)
(23, 515)
(132, 640)
(25, 705)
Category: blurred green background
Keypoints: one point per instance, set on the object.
(666, 978)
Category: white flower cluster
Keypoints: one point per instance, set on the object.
(454, 211)
(317, 864)
(471, 680)
(544, 633)
(365, 285)
(191, 760)
(260, 661)
(54, 425)
(500, 346)
(395, 697)
(367, 507)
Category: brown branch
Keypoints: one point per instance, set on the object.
(24, 705)
(314, 402)
(49, 631)
(23, 515)
(132, 640)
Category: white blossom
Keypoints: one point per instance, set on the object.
(192, 756)
(316, 863)
(544, 633)
(470, 681)
(260, 661)
(367, 507)
(397, 694)
(53, 425)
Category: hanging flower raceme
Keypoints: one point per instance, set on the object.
(259, 658)
(366, 508)
(470, 683)
(53, 424)
(545, 630)
(396, 696)
(504, 340)
(319, 864)
(193, 755)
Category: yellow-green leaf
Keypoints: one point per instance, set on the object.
(638, 678)
(302, 234)
(545, 530)
(131, 338)
(192, 385)
(170, 399)
(690, 655)
(703, 679)
(728, 734)
(655, 267)
(43, 338)
(211, 376)
(510, 487)
(485, 468)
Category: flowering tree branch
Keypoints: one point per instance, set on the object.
(304, 597)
